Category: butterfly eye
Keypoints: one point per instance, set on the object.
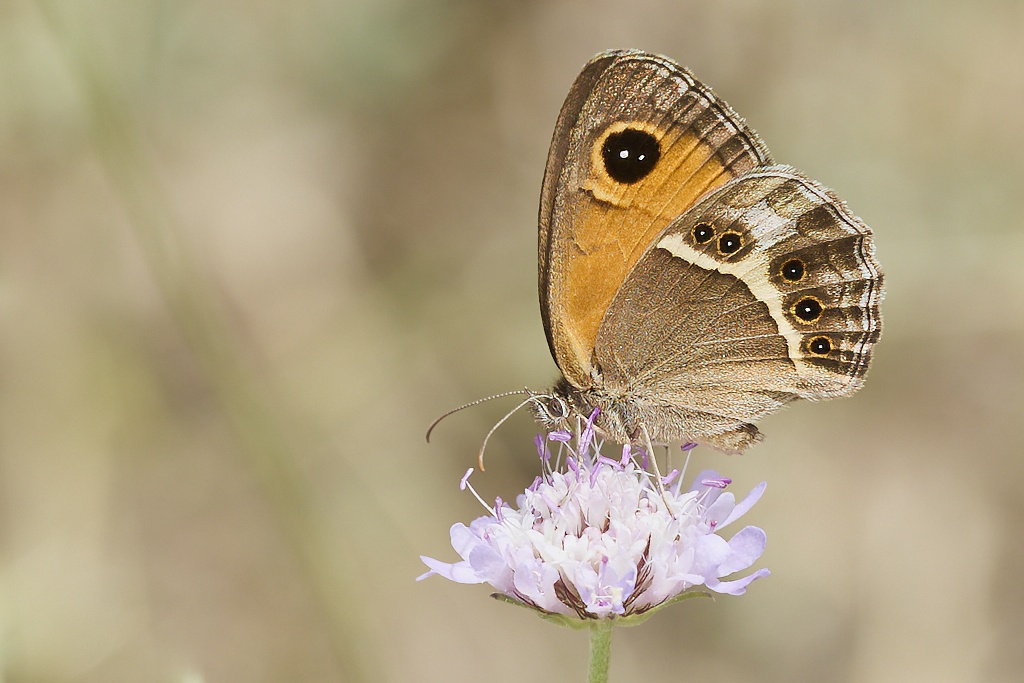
(792, 270)
(630, 154)
(820, 346)
(807, 309)
(702, 233)
(554, 409)
(730, 243)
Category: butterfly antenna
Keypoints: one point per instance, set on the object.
(480, 456)
(433, 424)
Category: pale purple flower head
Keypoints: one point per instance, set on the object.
(600, 538)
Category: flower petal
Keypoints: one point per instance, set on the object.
(739, 586)
(535, 581)
(746, 545)
(721, 509)
(745, 504)
(463, 539)
(460, 572)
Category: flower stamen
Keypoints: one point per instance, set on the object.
(464, 484)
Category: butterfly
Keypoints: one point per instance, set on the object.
(689, 285)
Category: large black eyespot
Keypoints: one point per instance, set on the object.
(702, 233)
(792, 270)
(808, 309)
(820, 346)
(630, 154)
(730, 242)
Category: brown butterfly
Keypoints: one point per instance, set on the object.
(688, 285)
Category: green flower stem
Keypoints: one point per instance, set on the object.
(600, 650)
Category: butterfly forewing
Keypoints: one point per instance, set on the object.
(638, 142)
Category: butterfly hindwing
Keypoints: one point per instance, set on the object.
(767, 290)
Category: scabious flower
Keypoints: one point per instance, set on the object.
(602, 538)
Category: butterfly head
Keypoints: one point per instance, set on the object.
(551, 409)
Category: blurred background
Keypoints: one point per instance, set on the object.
(249, 250)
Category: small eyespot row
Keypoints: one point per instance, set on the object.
(819, 346)
(729, 243)
(793, 270)
(703, 233)
(808, 309)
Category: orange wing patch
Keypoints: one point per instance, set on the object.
(613, 229)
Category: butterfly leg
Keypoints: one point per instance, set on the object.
(659, 481)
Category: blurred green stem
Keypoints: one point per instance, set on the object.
(600, 650)
(193, 304)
